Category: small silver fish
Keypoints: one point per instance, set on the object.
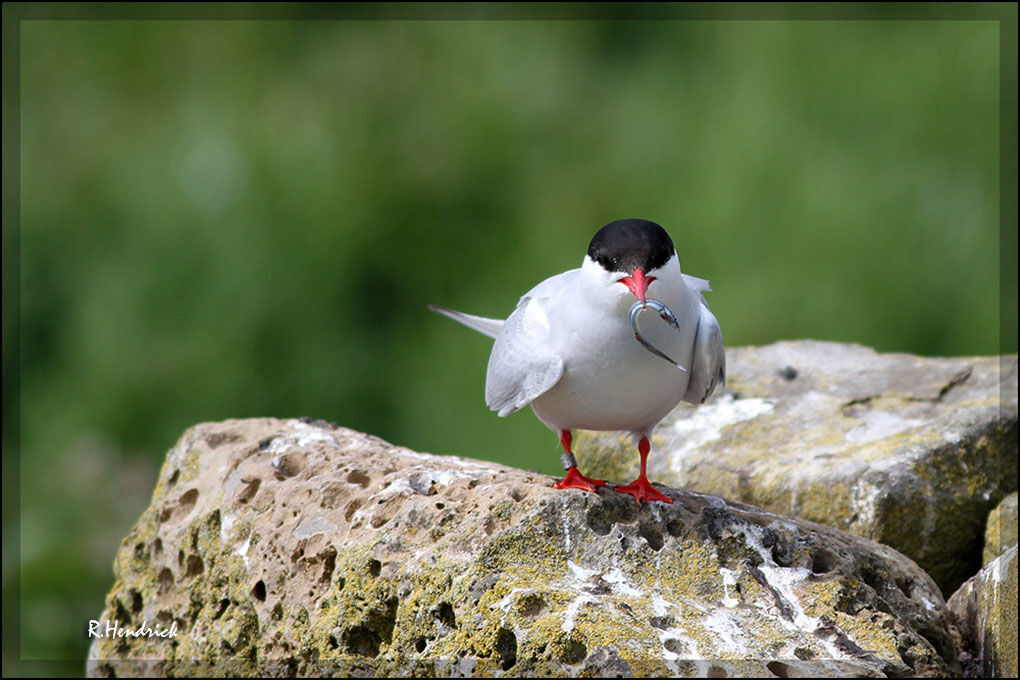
(665, 313)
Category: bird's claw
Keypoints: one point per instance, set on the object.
(575, 480)
(643, 491)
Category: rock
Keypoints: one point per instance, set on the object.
(297, 548)
(908, 451)
(986, 607)
(1001, 530)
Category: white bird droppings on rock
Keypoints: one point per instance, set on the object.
(707, 422)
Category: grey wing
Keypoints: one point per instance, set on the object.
(521, 367)
(708, 365)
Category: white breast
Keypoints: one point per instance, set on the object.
(611, 382)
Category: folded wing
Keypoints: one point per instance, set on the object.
(521, 366)
(708, 365)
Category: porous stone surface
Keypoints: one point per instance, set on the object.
(300, 548)
(986, 607)
(1001, 531)
(909, 451)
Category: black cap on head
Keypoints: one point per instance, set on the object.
(625, 245)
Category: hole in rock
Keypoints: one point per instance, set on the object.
(352, 508)
(358, 477)
(194, 566)
(506, 648)
(136, 600)
(823, 561)
(597, 520)
(251, 487)
(166, 580)
(661, 622)
(328, 564)
(651, 533)
(573, 652)
(443, 612)
(361, 640)
(781, 670)
(188, 499)
(224, 603)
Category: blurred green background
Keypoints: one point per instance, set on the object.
(227, 219)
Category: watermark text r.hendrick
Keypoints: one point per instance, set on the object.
(113, 629)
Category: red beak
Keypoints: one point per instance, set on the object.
(637, 283)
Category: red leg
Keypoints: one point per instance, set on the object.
(574, 479)
(641, 489)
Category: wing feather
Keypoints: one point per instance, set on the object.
(521, 366)
(708, 366)
(696, 284)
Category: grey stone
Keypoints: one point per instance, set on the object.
(295, 548)
(1001, 530)
(986, 607)
(909, 451)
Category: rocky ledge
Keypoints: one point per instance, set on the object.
(295, 547)
(909, 451)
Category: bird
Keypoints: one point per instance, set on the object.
(571, 351)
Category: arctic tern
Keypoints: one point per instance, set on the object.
(573, 351)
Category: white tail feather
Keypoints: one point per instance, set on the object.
(490, 327)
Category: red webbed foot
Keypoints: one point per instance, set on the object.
(575, 480)
(642, 491)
